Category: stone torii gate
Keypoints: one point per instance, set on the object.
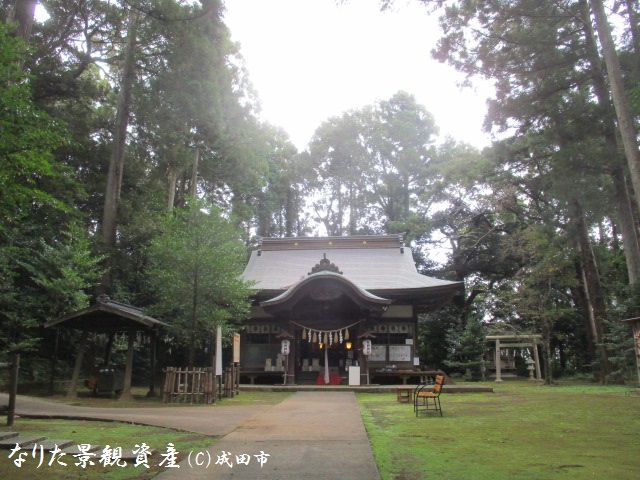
(515, 341)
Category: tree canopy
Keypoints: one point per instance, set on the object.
(134, 162)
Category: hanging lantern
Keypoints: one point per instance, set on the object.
(304, 334)
(335, 337)
(346, 335)
(315, 337)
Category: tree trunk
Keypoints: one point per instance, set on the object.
(116, 161)
(172, 179)
(546, 356)
(627, 224)
(23, 13)
(580, 298)
(634, 28)
(193, 188)
(593, 286)
(194, 321)
(619, 95)
(622, 198)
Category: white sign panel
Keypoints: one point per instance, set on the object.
(400, 353)
(378, 353)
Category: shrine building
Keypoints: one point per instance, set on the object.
(326, 296)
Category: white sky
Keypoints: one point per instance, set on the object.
(312, 59)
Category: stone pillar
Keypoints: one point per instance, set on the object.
(126, 389)
(498, 362)
(536, 357)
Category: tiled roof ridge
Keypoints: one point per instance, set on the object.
(328, 243)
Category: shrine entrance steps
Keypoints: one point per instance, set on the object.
(357, 388)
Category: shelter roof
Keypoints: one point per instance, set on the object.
(378, 264)
(107, 315)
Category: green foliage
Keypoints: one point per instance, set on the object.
(467, 346)
(43, 280)
(618, 340)
(197, 263)
(366, 166)
(46, 264)
(66, 270)
(28, 137)
(432, 335)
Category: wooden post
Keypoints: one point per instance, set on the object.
(236, 380)
(73, 387)
(152, 366)
(13, 390)
(126, 389)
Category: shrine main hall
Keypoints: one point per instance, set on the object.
(337, 303)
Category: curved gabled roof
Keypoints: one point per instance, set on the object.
(379, 265)
(336, 282)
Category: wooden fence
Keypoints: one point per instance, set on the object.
(231, 381)
(199, 385)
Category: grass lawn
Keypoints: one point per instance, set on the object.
(522, 431)
(97, 433)
(114, 434)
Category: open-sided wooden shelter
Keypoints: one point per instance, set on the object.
(328, 294)
(110, 317)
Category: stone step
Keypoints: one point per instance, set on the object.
(49, 445)
(74, 450)
(4, 435)
(9, 443)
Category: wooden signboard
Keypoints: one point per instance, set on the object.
(236, 348)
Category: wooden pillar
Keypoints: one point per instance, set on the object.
(73, 386)
(498, 362)
(126, 389)
(291, 361)
(152, 365)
